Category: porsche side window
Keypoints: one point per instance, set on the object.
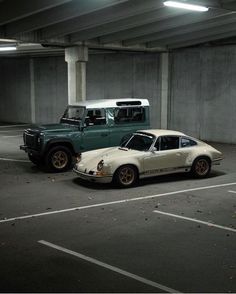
(186, 142)
(169, 142)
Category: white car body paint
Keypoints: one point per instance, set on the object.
(148, 163)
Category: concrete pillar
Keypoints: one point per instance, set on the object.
(32, 92)
(76, 58)
(164, 89)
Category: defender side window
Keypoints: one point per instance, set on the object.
(169, 142)
(95, 117)
(129, 114)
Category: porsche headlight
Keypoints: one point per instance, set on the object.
(100, 165)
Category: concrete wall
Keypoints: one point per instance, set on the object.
(203, 93)
(41, 84)
(50, 79)
(125, 75)
(15, 90)
(202, 100)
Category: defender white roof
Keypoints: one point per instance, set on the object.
(106, 103)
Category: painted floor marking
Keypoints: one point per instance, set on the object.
(11, 131)
(14, 136)
(231, 191)
(109, 267)
(12, 126)
(196, 221)
(113, 202)
(11, 159)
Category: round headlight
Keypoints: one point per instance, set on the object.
(100, 165)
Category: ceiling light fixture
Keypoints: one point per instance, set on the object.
(185, 6)
(7, 48)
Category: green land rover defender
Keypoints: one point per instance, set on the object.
(87, 125)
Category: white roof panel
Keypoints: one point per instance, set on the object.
(106, 103)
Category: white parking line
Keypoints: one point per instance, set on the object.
(109, 267)
(114, 202)
(12, 136)
(196, 221)
(11, 159)
(12, 126)
(230, 191)
(9, 131)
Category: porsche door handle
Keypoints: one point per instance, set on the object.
(104, 135)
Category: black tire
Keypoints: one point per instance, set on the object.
(34, 159)
(126, 176)
(58, 159)
(201, 167)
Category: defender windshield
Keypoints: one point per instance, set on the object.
(139, 142)
(73, 114)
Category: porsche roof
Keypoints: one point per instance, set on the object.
(162, 132)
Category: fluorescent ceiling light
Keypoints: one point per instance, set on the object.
(7, 48)
(185, 6)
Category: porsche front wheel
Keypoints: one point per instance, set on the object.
(126, 176)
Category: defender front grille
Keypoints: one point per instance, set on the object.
(31, 139)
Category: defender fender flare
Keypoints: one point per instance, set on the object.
(60, 141)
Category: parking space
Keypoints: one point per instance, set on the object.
(168, 234)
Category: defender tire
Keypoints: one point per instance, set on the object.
(59, 159)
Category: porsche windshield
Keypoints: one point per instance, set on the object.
(73, 114)
(139, 142)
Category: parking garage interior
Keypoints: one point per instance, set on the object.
(168, 234)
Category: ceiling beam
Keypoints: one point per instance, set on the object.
(128, 23)
(207, 39)
(58, 14)
(196, 36)
(107, 15)
(144, 33)
(209, 24)
(15, 9)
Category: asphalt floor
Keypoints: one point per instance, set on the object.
(168, 234)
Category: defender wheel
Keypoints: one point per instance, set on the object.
(59, 159)
(126, 176)
(201, 167)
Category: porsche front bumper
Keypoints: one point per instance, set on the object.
(93, 177)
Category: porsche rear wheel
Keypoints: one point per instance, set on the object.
(126, 176)
(201, 167)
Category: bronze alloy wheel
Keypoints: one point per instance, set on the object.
(126, 175)
(201, 167)
(59, 159)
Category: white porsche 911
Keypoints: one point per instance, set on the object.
(147, 153)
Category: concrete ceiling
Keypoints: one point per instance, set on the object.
(145, 25)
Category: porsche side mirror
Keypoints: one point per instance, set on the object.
(153, 149)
